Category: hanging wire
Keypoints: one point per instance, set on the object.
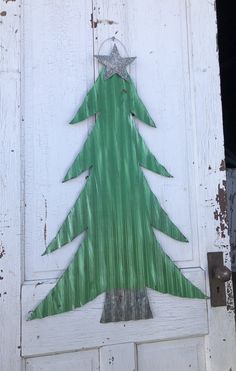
(113, 38)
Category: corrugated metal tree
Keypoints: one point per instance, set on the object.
(118, 211)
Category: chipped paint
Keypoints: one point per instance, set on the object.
(111, 360)
(230, 297)
(106, 21)
(2, 294)
(220, 213)
(45, 223)
(45, 220)
(38, 284)
(222, 166)
(3, 13)
(94, 23)
(2, 250)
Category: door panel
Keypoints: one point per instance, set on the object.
(159, 39)
(176, 75)
(187, 354)
(184, 355)
(58, 70)
(173, 317)
(163, 79)
(78, 361)
(118, 357)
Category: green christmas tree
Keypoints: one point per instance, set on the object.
(117, 211)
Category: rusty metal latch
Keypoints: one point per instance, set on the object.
(218, 275)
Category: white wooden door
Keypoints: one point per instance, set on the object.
(177, 75)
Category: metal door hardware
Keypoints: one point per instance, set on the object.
(218, 275)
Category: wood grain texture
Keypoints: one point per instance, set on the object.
(231, 198)
(10, 227)
(207, 119)
(184, 355)
(10, 189)
(120, 357)
(161, 74)
(172, 317)
(10, 31)
(78, 361)
(58, 71)
(177, 77)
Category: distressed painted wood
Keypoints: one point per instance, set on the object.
(78, 361)
(10, 31)
(177, 76)
(231, 198)
(58, 70)
(162, 63)
(10, 187)
(120, 357)
(179, 355)
(53, 50)
(172, 317)
(211, 184)
(10, 228)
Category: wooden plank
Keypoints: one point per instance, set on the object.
(82, 328)
(52, 48)
(10, 227)
(161, 73)
(10, 30)
(231, 198)
(177, 78)
(207, 118)
(181, 355)
(10, 187)
(162, 78)
(121, 357)
(78, 361)
(58, 72)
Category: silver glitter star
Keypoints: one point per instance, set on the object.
(115, 64)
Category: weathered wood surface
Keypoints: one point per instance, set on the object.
(184, 355)
(10, 186)
(52, 49)
(118, 357)
(211, 185)
(177, 77)
(231, 198)
(77, 361)
(59, 70)
(172, 318)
